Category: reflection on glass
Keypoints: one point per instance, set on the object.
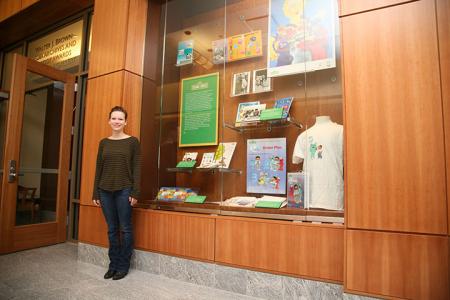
(39, 152)
(7, 68)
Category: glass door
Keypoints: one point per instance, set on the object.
(36, 156)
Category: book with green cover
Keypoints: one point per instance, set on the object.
(195, 199)
(186, 164)
(271, 114)
(268, 204)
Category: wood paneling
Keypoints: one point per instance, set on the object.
(38, 235)
(311, 251)
(92, 226)
(356, 6)
(102, 94)
(118, 34)
(443, 19)
(137, 20)
(109, 37)
(26, 3)
(397, 265)
(132, 102)
(9, 8)
(394, 133)
(187, 235)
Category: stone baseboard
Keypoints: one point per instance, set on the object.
(242, 281)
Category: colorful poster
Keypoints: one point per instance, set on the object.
(301, 36)
(184, 54)
(266, 166)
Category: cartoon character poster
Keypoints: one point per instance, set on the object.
(301, 36)
(266, 166)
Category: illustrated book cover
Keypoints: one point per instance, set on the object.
(266, 166)
(296, 190)
(185, 52)
(284, 103)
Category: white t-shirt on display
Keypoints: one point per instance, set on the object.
(321, 148)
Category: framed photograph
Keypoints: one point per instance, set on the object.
(241, 84)
(261, 82)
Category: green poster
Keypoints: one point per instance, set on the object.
(199, 110)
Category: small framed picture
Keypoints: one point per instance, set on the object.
(261, 83)
(241, 84)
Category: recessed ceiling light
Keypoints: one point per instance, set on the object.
(187, 32)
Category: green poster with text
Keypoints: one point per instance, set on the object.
(199, 110)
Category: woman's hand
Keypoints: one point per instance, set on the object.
(132, 200)
(96, 202)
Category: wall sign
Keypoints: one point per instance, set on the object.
(199, 109)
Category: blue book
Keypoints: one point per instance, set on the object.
(185, 52)
(284, 103)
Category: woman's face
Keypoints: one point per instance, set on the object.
(117, 121)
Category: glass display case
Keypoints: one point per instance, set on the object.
(250, 109)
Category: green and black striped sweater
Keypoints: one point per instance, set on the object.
(118, 166)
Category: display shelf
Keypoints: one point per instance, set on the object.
(180, 170)
(267, 124)
(204, 170)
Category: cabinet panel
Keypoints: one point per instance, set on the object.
(306, 250)
(92, 226)
(397, 265)
(26, 3)
(199, 235)
(443, 18)
(102, 94)
(356, 6)
(137, 21)
(395, 174)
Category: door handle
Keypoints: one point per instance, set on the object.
(12, 174)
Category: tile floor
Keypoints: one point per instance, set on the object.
(55, 273)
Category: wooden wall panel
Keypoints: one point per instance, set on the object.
(92, 226)
(187, 235)
(356, 6)
(397, 265)
(109, 37)
(26, 3)
(9, 8)
(305, 250)
(199, 237)
(394, 133)
(443, 19)
(137, 21)
(102, 93)
(132, 102)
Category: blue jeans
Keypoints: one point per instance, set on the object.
(117, 211)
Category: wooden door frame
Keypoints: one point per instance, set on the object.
(14, 238)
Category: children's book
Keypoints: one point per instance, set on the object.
(253, 45)
(236, 47)
(219, 51)
(185, 52)
(223, 155)
(252, 113)
(207, 160)
(188, 161)
(240, 110)
(175, 193)
(296, 189)
(284, 103)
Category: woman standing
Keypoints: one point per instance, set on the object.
(116, 189)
